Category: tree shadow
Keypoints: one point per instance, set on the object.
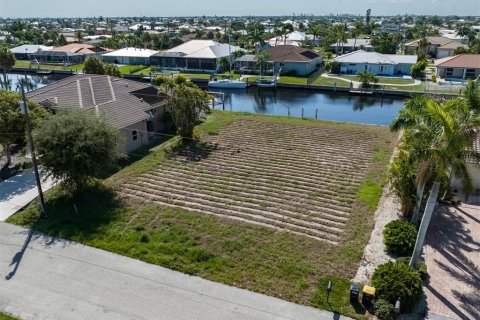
(78, 215)
(195, 151)
(449, 236)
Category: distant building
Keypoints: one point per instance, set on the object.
(461, 67)
(297, 60)
(438, 47)
(73, 53)
(246, 64)
(353, 45)
(295, 38)
(132, 107)
(133, 56)
(195, 55)
(376, 63)
(24, 52)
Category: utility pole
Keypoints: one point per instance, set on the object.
(28, 128)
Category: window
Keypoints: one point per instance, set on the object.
(381, 69)
(352, 64)
(153, 112)
(449, 72)
(134, 135)
(470, 74)
(366, 67)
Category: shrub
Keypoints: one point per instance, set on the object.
(144, 238)
(383, 309)
(434, 78)
(398, 280)
(421, 266)
(289, 73)
(399, 237)
(401, 176)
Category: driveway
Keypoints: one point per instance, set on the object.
(45, 278)
(452, 254)
(18, 191)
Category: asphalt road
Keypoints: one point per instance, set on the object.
(44, 278)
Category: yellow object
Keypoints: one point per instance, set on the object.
(369, 290)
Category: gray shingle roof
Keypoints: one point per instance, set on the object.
(114, 97)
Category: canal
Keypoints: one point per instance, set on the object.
(283, 102)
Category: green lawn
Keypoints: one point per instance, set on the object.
(4, 316)
(23, 64)
(322, 81)
(292, 80)
(196, 75)
(134, 69)
(281, 264)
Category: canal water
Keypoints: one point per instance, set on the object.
(323, 105)
(282, 102)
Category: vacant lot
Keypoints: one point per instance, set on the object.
(271, 204)
(298, 178)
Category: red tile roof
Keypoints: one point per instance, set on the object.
(460, 61)
(288, 53)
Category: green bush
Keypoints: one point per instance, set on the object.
(400, 237)
(383, 309)
(434, 78)
(421, 266)
(398, 280)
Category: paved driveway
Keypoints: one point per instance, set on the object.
(18, 191)
(453, 262)
(44, 278)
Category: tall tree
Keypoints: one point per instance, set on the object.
(12, 123)
(78, 34)
(7, 61)
(76, 146)
(263, 58)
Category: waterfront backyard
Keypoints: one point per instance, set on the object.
(275, 205)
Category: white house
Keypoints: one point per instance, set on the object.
(376, 63)
(132, 56)
(197, 55)
(23, 52)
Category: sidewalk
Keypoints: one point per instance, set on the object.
(46, 278)
(18, 191)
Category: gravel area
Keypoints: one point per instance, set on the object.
(374, 253)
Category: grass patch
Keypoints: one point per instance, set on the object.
(293, 80)
(329, 82)
(134, 69)
(24, 64)
(4, 316)
(196, 75)
(265, 260)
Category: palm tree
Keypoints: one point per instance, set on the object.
(316, 32)
(78, 35)
(262, 61)
(256, 36)
(355, 33)
(439, 136)
(199, 33)
(365, 77)
(423, 44)
(286, 28)
(472, 94)
(340, 35)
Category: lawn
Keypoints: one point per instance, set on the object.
(23, 64)
(134, 69)
(4, 316)
(196, 75)
(329, 82)
(275, 205)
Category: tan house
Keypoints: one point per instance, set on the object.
(461, 67)
(438, 47)
(132, 107)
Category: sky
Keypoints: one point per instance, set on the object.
(167, 8)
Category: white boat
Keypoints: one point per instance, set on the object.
(227, 84)
(266, 83)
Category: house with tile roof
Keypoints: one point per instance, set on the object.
(376, 63)
(438, 47)
(293, 59)
(23, 52)
(131, 56)
(460, 67)
(73, 53)
(353, 45)
(132, 107)
(194, 55)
